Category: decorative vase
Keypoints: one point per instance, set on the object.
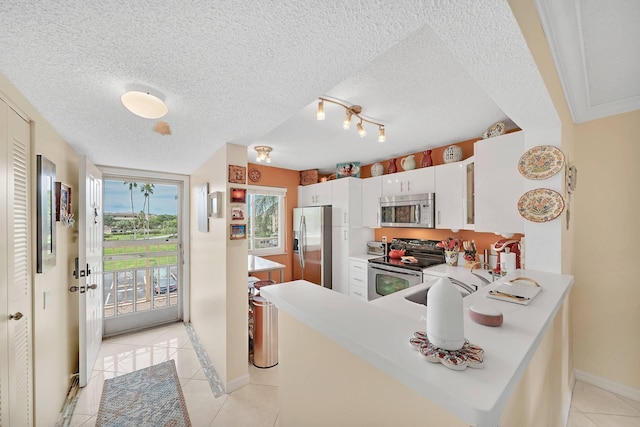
(377, 169)
(426, 159)
(451, 258)
(408, 163)
(451, 154)
(392, 166)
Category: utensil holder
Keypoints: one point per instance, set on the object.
(451, 257)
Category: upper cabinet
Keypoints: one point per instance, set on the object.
(371, 192)
(498, 184)
(409, 182)
(315, 194)
(449, 195)
(346, 202)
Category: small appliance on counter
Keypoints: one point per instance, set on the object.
(377, 248)
(507, 246)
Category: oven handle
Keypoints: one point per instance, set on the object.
(395, 270)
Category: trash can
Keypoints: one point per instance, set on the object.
(265, 333)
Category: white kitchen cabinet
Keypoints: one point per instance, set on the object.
(346, 241)
(358, 279)
(315, 194)
(371, 192)
(449, 195)
(409, 182)
(346, 202)
(498, 184)
(468, 193)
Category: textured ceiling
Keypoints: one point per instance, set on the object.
(249, 72)
(595, 47)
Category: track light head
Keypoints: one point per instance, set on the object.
(381, 136)
(320, 112)
(361, 130)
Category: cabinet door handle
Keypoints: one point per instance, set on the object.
(346, 221)
(377, 218)
(357, 280)
(401, 186)
(345, 234)
(358, 267)
(439, 222)
(408, 185)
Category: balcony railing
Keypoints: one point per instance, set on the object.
(139, 289)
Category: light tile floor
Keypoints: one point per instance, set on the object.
(253, 405)
(594, 407)
(257, 403)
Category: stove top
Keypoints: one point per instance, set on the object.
(425, 252)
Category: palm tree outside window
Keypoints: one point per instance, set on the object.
(265, 220)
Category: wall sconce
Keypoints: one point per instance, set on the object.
(264, 153)
(353, 110)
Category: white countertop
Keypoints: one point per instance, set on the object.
(363, 257)
(256, 264)
(379, 333)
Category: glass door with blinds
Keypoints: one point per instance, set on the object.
(142, 253)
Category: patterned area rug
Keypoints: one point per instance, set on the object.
(150, 397)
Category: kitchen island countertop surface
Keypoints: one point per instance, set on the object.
(379, 332)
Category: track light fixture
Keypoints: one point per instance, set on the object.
(353, 110)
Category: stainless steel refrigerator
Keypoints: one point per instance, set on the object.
(312, 245)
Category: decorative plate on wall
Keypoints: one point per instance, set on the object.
(541, 205)
(254, 175)
(541, 162)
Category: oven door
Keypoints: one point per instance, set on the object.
(384, 280)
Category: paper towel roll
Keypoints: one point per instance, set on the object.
(509, 260)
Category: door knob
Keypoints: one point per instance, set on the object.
(93, 286)
(16, 316)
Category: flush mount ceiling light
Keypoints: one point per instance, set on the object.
(144, 104)
(264, 153)
(353, 110)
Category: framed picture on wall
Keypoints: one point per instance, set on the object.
(237, 174)
(237, 213)
(46, 214)
(63, 201)
(238, 195)
(238, 231)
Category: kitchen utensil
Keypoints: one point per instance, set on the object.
(505, 294)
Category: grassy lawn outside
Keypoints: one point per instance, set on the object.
(140, 262)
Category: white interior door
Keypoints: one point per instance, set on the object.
(16, 405)
(90, 266)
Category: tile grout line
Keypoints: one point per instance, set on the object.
(203, 357)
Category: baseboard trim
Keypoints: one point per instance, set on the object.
(568, 400)
(608, 385)
(237, 383)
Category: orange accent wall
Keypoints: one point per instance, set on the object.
(283, 178)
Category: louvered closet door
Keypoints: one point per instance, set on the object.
(15, 290)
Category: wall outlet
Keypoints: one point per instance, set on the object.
(384, 239)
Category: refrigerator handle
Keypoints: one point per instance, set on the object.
(303, 238)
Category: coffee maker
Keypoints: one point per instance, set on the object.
(501, 247)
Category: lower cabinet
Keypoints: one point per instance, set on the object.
(358, 279)
(346, 241)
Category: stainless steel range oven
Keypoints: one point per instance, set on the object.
(388, 275)
(385, 279)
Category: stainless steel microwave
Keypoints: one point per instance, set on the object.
(412, 210)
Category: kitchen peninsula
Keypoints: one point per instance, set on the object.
(349, 362)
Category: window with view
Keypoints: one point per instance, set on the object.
(265, 220)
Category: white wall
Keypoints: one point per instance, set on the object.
(219, 275)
